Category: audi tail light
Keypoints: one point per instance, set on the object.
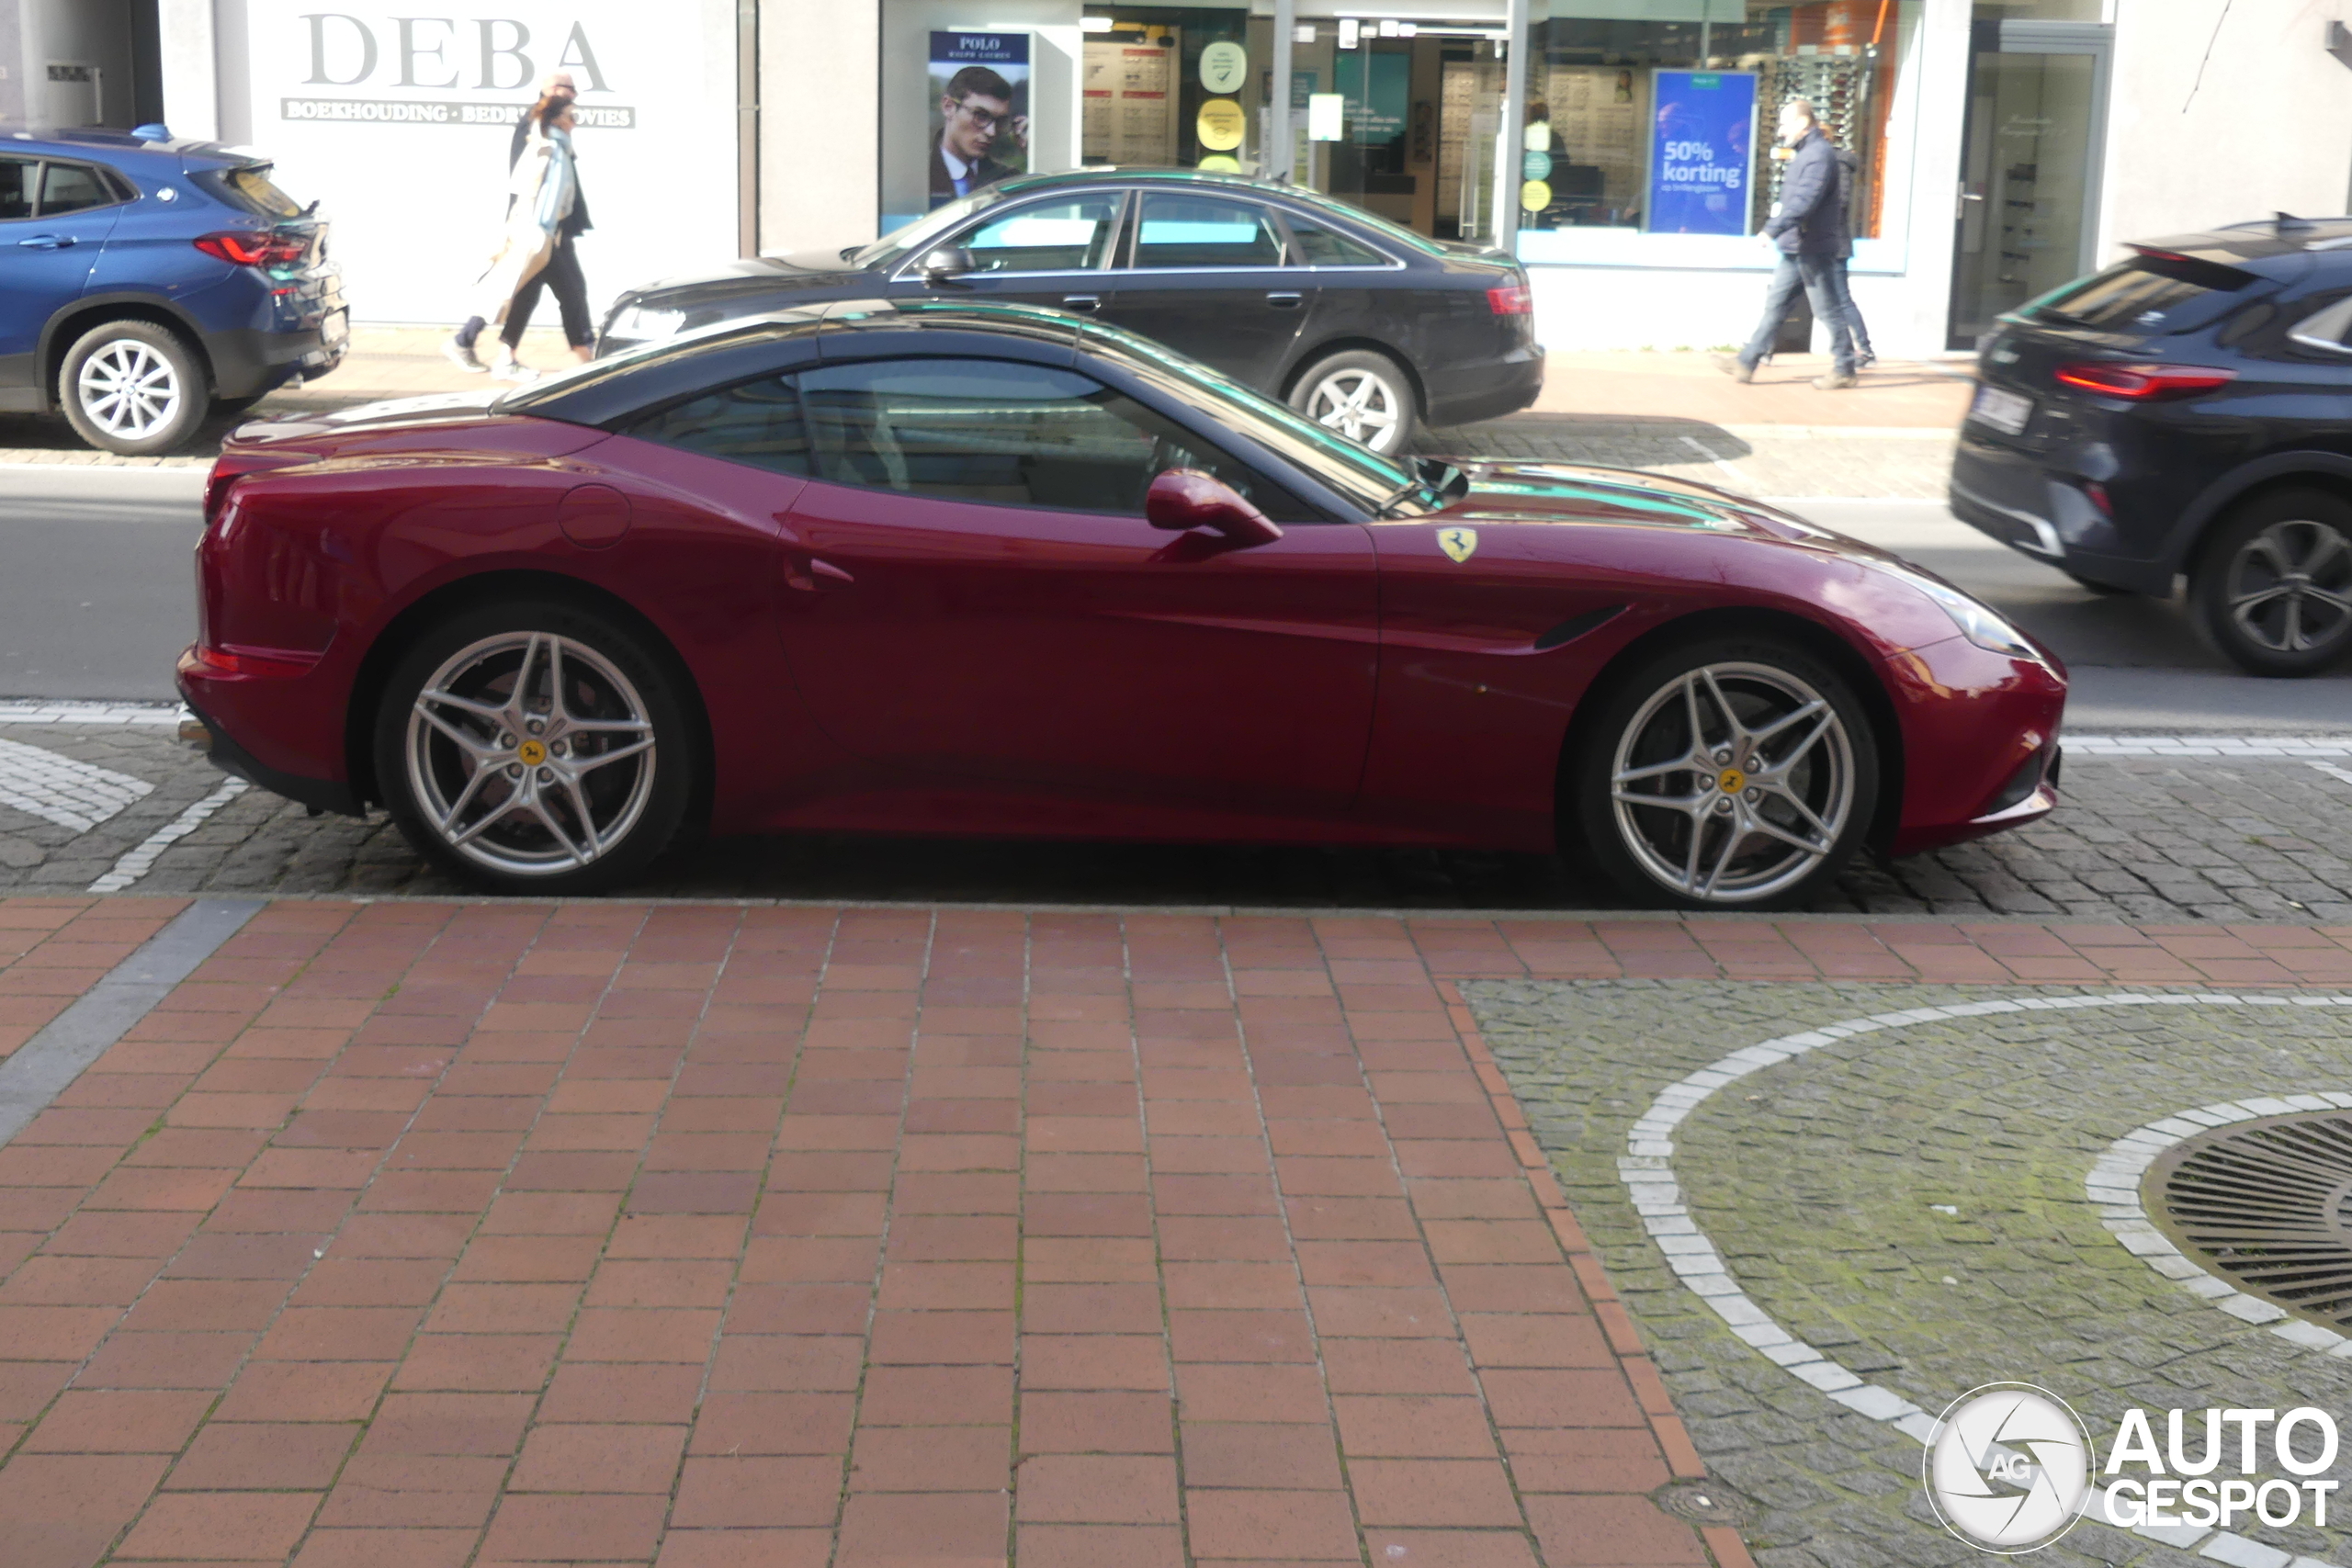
(255, 247)
(2143, 383)
(1512, 299)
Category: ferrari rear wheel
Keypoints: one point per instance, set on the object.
(1739, 774)
(534, 748)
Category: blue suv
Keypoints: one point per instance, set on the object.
(145, 282)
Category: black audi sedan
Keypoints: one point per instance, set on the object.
(2187, 412)
(1362, 325)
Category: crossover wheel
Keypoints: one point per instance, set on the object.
(1361, 395)
(1739, 774)
(2273, 589)
(133, 387)
(534, 748)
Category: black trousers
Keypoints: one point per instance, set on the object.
(561, 275)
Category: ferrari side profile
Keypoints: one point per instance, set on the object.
(998, 569)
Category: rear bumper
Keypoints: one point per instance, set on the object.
(247, 363)
(224, 750)
(1487, 391)
(2046, 513)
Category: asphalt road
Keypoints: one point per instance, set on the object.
(95, 603)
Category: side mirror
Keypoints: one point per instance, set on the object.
(945, 263)
(1182, 499)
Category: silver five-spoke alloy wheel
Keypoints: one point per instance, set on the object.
(530, 753)
(1361, 405)
(1733, 783)
(2290, 587)
(130, 391)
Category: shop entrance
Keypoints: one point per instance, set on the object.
(2028, 180)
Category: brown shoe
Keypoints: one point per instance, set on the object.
(1734, 366)
(1836, 381)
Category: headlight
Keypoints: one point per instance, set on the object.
(638, 324)
(1980, 624)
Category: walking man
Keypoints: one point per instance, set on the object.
(1809, 227)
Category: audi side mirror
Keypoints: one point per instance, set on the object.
(945, 263)
(1184, 498)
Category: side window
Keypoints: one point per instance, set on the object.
(1318, 246)
(1053, 236)
(991, 431)
(1204, 231)
(16, 187)
(2327, 329)
(70, 188)
(757, 423)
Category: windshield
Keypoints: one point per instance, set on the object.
(2145, 294)
(924, 232)
(1384, 486)
(249, 185)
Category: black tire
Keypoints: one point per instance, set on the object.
(2094, 585)
(2272, 588)
(134, 388)
(1703, 855)
(1323, 387)
(500, 831)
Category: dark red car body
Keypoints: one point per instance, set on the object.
(871, 661)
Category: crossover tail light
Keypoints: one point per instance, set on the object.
(1512, 299)
(2143, 383)
(255, 247)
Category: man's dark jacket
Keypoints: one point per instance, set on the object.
(987, 172)
(577, 224)
(1812, 220)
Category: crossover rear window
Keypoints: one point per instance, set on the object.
(2146, 294)
(249, 185)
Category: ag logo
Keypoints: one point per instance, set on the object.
(2009, 1468)
(1457, 541)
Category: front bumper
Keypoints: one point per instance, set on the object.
(1979, 740)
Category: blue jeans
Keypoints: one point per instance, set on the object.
(1852, 325)
(1820, 277)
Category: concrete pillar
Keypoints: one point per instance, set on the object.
(821, 144)
(191, 72)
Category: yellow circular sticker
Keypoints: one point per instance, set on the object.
(1221, 125)
(1218, 164)
(1731, 781)
(531, 753)
(1535, 196)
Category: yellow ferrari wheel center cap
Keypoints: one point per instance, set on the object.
(1731, 781)
(531, 753)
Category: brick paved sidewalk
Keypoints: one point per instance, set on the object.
(429, 1234)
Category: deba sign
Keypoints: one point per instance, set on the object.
(397, 117)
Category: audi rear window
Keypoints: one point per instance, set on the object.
(2145, 295)
(248, 185)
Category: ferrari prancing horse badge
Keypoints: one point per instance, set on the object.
(1457, 541)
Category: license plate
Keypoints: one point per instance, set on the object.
(335, 327)
(2005, 412)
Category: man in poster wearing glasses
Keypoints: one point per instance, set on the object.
(975, 109)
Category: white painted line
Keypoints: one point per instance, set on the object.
(75, 795)
(1731, 469)
(1647, 1173)
(41, 710)
(136, 864)
(2207, 745)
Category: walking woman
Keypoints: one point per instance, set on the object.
(544, 214)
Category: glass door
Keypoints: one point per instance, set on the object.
(2028, 209)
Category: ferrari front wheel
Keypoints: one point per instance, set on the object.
(1739, 774)
(535, 749)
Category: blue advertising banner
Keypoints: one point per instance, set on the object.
(1702, 151)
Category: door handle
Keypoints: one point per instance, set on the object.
(1285, 301)
(46, 243)
(1088, 302)
(820, 574)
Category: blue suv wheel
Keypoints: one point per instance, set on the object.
(133, 387)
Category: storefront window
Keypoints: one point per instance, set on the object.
(1170, 86)
(1666, 126)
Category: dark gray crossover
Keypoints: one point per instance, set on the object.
(2188, 412)
(1362, 325)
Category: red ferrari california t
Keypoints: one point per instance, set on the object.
(982, 570)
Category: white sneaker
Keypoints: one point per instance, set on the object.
(463, 356)
(514, 370)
